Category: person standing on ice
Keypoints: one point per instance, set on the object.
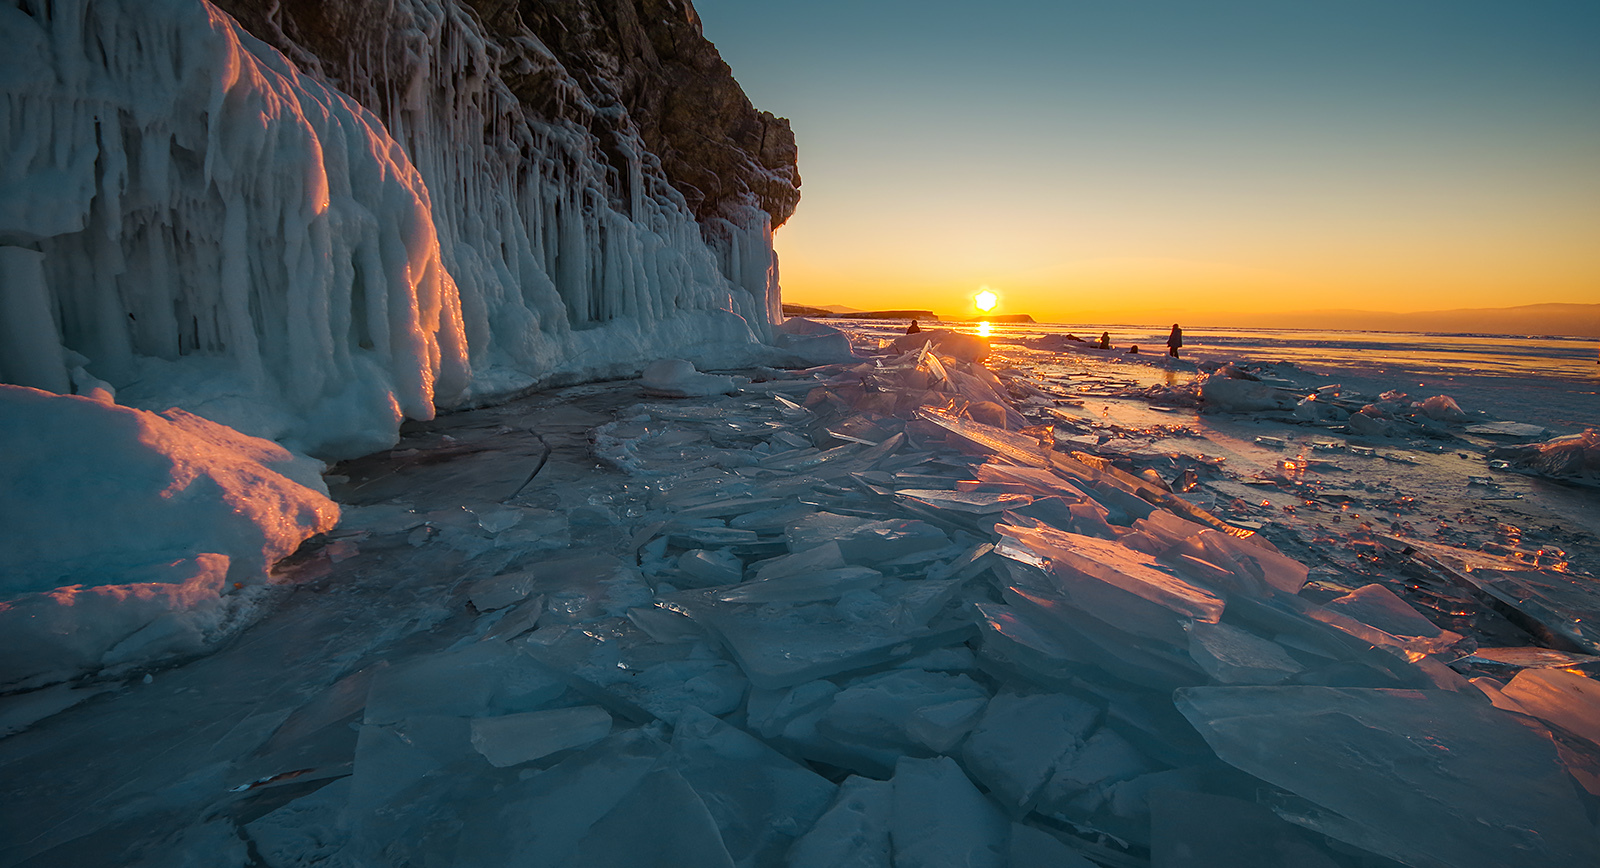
(1105, 340)
(1174, 341)
(914, 328)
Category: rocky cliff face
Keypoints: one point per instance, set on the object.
(621, 70)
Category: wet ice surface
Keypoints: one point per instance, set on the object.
(901, 612)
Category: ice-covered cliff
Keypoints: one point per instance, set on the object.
(314, 220)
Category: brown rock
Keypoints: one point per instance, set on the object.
(619, 69)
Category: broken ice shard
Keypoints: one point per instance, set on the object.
(1121, 567)
(1020, 739)
(940, 820)
(473, 680)
(804, 587)
(905, 710)
(1425, 777)
(862, 541)
(760, 799)
(973, 502)
(780, 645)
(1234, 656)
(623, 668)
(1563, 698)
(513, 739)
(854, 832)
(1194, 830)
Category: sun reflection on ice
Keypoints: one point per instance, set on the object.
(984, 328)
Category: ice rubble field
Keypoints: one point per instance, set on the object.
(857, 615)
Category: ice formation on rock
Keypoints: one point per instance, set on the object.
(187, 216)
(310, 254)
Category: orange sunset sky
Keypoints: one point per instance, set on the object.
(1134, 161)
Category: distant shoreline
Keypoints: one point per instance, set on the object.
(903, 314)
(1533, 320)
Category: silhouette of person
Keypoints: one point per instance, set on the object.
(1174, 341)
(1133, 350)
(914, 328)
(1105, 340)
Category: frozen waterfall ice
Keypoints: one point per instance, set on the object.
(189, 218)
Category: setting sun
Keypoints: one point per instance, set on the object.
(985, 300)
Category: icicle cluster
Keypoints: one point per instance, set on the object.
(187, 216)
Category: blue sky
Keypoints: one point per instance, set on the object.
(1115, 156)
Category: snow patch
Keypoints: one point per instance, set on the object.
(117, 517)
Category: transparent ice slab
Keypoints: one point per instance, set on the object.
(1563, 698)
(781, 645)
(1379, 607)
(1234, 656)
(854, 833)
(309, 829)
(394, 765)
(824, 557)
(1083, 779)
(1034, 848)
(864, 541)
(773, 520)
(907, 710)
(513, 739)
(559, 816)
(1338, 650)
(661, 823)
(1039, 480)
(1204, 830)
(498, 592)
(969, 502)
(940, 820)
(802, 587)
(1019, 741)
(624, 669)
(1122, 568)
(761, 800)
(1105, 649)
(470, 681)
(1561, 609)
(1119, 491)
(1426, 777)
(1059, 583)
(712, 566)
(1024, 649)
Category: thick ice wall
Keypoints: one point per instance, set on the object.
(229, 215)
(543, 212)
(560, 182)
(200, 223)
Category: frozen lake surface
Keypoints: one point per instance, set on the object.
(903, 612)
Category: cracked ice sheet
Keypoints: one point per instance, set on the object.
(1429, 778)
(1121, 567)
(783, 645)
